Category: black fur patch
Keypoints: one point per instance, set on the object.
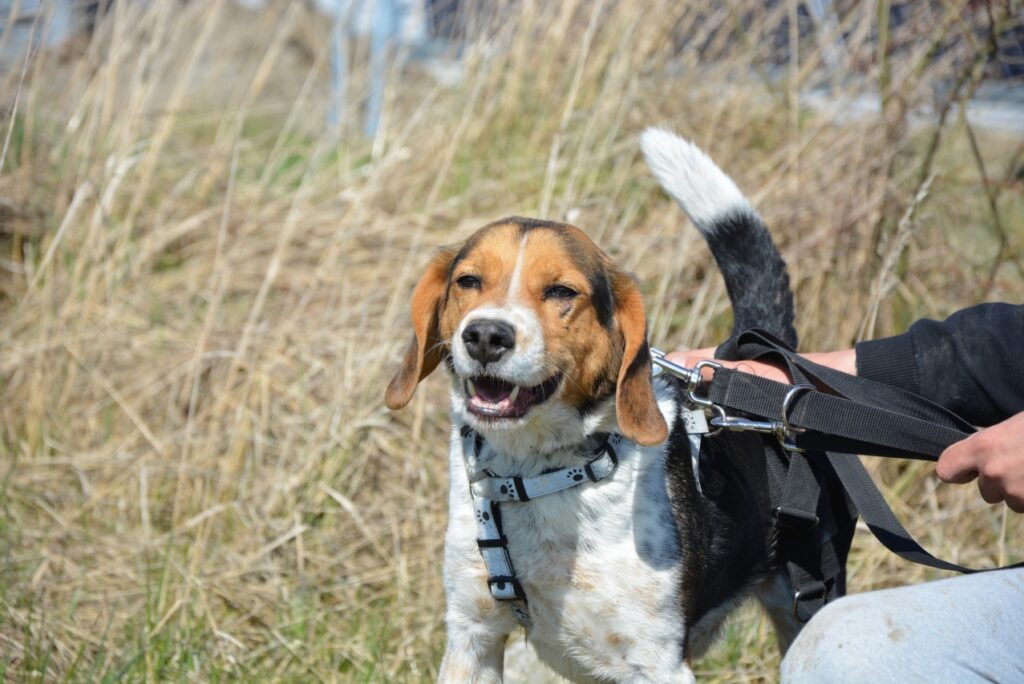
(601, 297)
(591, 265)
(527, 224)
(641, 362)
(724, 533)
(464, 251)
(755, 275)
(602, 388)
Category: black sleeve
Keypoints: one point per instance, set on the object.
(972, 363)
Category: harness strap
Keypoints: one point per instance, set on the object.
(805, 530)
(488, 492)
(839, 417)
(491, 542)
(894, 423)
(521, 489)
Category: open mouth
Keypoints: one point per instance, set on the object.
(495, 398)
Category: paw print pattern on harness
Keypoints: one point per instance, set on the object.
(508, 488)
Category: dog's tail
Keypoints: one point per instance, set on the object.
(755, 274)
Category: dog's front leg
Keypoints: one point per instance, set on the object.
(475, 652)
(478, 626)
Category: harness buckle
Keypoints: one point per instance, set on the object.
(599, 468)
(500, 585)
(795, 517)
(814, 591)
(737, 424)
(500, 543)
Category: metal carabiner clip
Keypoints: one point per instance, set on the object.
(662, 364)
(692, 377)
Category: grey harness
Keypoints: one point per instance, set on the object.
(489, 490)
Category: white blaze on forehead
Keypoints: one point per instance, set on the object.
(517, 272)
(526, 364)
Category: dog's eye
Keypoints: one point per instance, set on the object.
(468, 282)
(559, 292)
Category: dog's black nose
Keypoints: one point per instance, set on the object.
(487, 340)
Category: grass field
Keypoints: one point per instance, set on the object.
(203, 292)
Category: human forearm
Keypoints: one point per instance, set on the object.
(844, 360)
(971, 363)
(995, 455)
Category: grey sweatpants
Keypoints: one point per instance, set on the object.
(962, 629)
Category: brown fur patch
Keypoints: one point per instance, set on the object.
(597, 338)
(583, 581)
(490, 255)
(424, 351)
(575, 340)
(484, 604)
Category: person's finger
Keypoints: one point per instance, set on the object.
(1016, 503)
(1013, 490)
(958, 463)
(691, 357)
(991, 490)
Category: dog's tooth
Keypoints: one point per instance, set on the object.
(514, 394)
(470, 388)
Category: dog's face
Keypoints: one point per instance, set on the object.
(538, 328)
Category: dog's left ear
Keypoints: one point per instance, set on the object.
(635, 405)
(424, 352)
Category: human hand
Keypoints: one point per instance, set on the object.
(691, 358)
(844, 360)
(995, 456)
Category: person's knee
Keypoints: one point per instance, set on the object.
(918, 633)
(850, 640)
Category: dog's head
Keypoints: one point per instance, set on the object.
(539, 329)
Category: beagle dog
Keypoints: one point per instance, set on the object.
(581, 504)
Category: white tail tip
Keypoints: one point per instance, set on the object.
(689, 177)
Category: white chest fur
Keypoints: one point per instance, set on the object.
(600, 565)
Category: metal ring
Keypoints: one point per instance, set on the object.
(796, 607)
(695, 379)
(793, 393)
(721, 414)
(796, 603)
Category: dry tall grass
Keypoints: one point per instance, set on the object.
(203, 293)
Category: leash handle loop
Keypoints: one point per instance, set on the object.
(836, 411)
(852, 415)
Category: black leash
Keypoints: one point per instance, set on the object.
(836, 415)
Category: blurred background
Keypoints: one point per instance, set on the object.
(212, 214)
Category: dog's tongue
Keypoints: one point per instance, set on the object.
(492, 390)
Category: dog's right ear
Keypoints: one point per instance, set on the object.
(424, 352)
